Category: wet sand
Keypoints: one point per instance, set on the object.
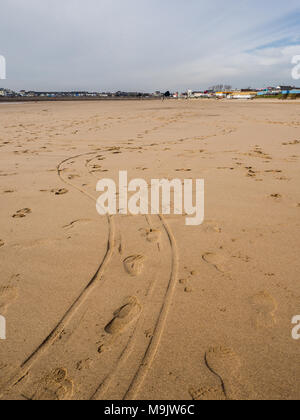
(135, 307)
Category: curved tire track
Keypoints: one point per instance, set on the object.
(67, 317)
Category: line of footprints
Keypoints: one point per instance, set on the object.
(223, 362)
(225, 365)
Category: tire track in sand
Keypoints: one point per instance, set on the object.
(148, 353)
(143, 354)
(79, 301)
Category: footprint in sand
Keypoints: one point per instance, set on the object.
(185, 282)
(265, 307)
(207, 394)
(152, 235)
(291, 143)
(76, 223)
(216, 260)
(124, 316)
(276, 196)
(225, 364)
(211, 227)
(84, 364)
(55, 387)
(134, 265)
(21, 213)
(70, 177)
(8, 295)
(60, 191)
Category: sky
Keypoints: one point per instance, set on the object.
(148, 45)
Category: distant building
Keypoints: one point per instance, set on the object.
(7, 92)
(286, 88)
(268, 92)
(291, 92)
(198, 94)
(242, 95)
(223, 94)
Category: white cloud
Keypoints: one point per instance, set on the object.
(147, 45)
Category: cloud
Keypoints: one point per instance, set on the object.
(271, 66)
(147, 45)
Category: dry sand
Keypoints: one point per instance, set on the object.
(146, 307)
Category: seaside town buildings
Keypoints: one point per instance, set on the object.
(6, 92)
(225, 93)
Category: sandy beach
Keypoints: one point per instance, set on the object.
(145, 307)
